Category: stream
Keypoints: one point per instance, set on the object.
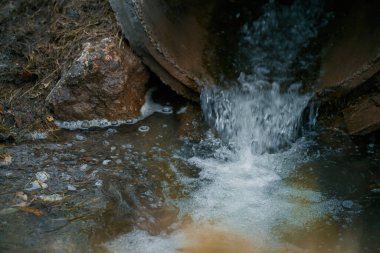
(263, 177)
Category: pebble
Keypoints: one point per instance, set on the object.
(106, 143)
(71, 187)
(22, 196)
(119, 161)
(106, 162)
(35, 185)
(42, 176)
(113, 148)
(83, 167)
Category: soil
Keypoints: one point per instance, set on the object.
(38, 39)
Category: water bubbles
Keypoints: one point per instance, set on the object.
(71, 187)
(79, 137)
(348, 204)
(127, 146)
(38, 135)
(144, 129)
(109, 132)
(167, 110)
(130, 121)
(85, 124)
(114, 123)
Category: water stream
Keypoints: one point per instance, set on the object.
(260, 179)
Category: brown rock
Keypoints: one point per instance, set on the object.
(106, 81)
(363, 117)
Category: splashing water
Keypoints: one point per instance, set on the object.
(262, 111)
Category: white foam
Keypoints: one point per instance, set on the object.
(141, 242)
(146, 110)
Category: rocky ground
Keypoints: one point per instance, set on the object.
(72, 50)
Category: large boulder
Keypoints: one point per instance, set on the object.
(106, 81)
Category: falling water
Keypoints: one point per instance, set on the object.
(262, 112)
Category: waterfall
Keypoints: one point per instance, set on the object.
(262, 110)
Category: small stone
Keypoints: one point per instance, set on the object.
(71, 187)
(51, 198)
(42, 176)
(113, 148)
(119, 161)
(144, 129)
(83, 167)
(99, 183)
(106, 162)
(114, 123)
(106, 143)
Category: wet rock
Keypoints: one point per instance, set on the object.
(35, 185)
(363, 117)
(106, 81)
(5, 159)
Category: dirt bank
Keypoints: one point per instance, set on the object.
(38, 40)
